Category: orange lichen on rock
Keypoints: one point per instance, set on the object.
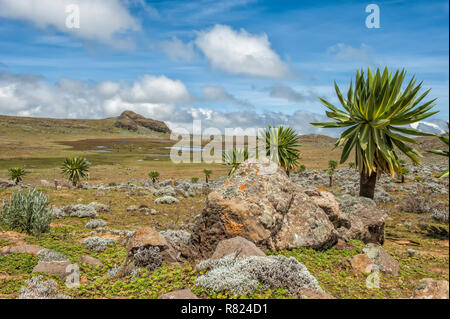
(226, 184)
(242, 187)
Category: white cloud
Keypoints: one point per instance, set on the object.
(178, 50)
(286, 92)
(107, 21)
(239, 52)
(217, 94)
(343, 52)
(154, 96)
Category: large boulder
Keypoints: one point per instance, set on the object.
(360, 219)
(241, 246)
(261, 204)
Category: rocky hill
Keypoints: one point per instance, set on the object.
(132, 121)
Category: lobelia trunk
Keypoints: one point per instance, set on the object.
(367, 184)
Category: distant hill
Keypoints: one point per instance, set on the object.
(132, 121)
(127, 122)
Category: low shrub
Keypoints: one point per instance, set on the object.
(28, 212)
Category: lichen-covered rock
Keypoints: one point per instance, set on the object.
(374, 258)
(245, 275)
(100, 208)
(265, 207)
(431, 289)
(78, 210)
(166, 200)
(6, 183)
(95, 223)
(165, 191)
(360, 219)
(38, 289)
(241, 246)
(50, 255)
(382, 259)
(98, 244)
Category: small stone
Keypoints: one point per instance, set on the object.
(94, 262)
(411, 252)
(431, 289)
(179, 294)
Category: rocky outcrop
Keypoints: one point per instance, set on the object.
(131, 121)
(265, 207)
(275, 213)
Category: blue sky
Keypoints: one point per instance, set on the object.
(184, 60)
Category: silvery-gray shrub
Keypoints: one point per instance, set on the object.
(27, 211)
(97, 244)
(244, 275)
(38, 289)
(149, 257)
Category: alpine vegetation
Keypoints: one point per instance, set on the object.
(373, 112)
(245, 275)
(28, 212)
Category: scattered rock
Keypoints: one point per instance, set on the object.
(179, 294)
(6, 184)
(374, 258)
(411, 252)
(95, 223)
(429, 288)
(22, 249)
(306, 293)
(50, 255)
(166, 200)
(100, 208)
(78, 210)
(165, 191)
(241, 246)
(361, 264)
(58, 268)
(132, 208)
(343, 245)
(94, 262)
(46, 183)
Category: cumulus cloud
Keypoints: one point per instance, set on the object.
(239, 52)
(217, 94)
(343, 52)
(107, 21)
(156, 97)
(286, 92)
(178, 50)
(28, 95)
